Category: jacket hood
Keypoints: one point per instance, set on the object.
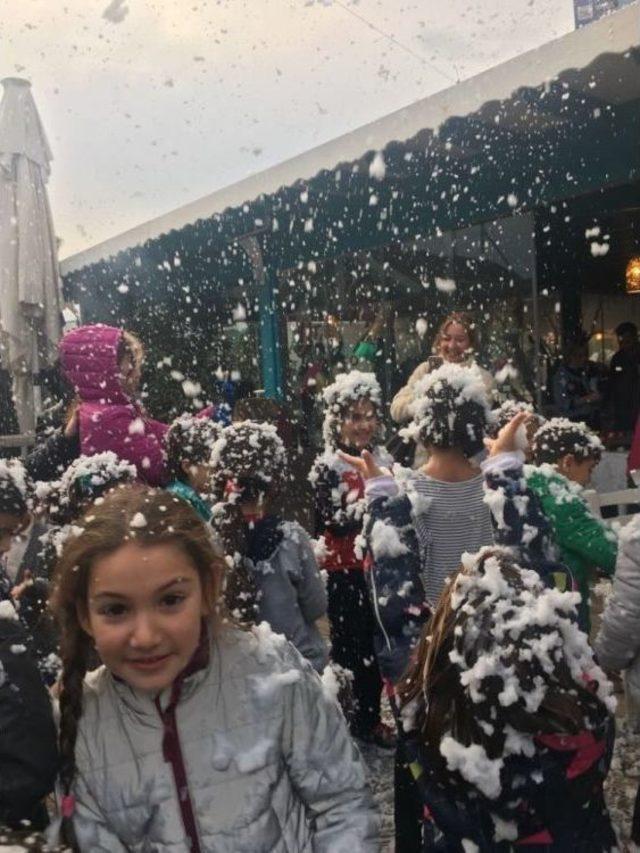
(89, 359)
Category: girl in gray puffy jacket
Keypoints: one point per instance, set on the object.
(618, 643)
(193, 734)
(250, 467)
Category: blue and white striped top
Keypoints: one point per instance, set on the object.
(449, 519)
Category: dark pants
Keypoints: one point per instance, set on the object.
(635, 821)
(352, 627)
(407, 809)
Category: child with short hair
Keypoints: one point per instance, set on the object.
(189, 442)
(250, 474)
(64, 501)
(565, 454)
(15, 514)
(508, 722)
(193, 734)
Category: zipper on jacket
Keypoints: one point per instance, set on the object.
(376, 606)
(172, 753)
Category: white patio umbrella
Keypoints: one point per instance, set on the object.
(30, 289)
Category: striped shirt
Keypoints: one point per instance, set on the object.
(449, 519)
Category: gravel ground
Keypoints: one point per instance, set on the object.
(621, 787)
(621, 791)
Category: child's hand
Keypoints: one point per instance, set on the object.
(507, 441)
(364, 464)
(72, 426)
(18, 590)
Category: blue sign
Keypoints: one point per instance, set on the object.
(586, 11)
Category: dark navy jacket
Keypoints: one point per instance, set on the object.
(519, 522)
(394, 582)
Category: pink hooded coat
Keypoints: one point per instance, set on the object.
(109, 418)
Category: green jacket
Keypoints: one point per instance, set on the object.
(584, 542)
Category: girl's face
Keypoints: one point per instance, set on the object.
(199, 475)
(454, 343)
(130, 372)
(144, 611)
(360, 425)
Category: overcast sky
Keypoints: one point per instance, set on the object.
(150, 105)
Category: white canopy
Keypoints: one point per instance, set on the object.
(565, 58)
(30, 289)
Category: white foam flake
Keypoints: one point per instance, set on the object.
(385, 541)
(191, 388)
(8, 611)
(116, 11)
(474, 765)
(445, 285)
(506, 374)
(377, 167)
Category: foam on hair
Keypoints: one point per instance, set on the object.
(450, 409)
(559, 437)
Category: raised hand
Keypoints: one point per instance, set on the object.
(18, 590)
(365, 464)
(507, 439)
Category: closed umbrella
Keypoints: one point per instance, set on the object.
(30, 291)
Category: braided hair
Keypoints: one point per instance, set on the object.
(105, 528)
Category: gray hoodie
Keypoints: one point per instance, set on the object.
(292, 594)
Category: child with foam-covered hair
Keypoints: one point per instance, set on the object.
(508, 722)
(445, 498)
(352, 423)
(565, 455)
(189, 443)
(23, 568)
(250, 465)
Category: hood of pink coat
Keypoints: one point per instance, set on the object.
(89, 358)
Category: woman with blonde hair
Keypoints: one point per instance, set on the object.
(455, 343)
